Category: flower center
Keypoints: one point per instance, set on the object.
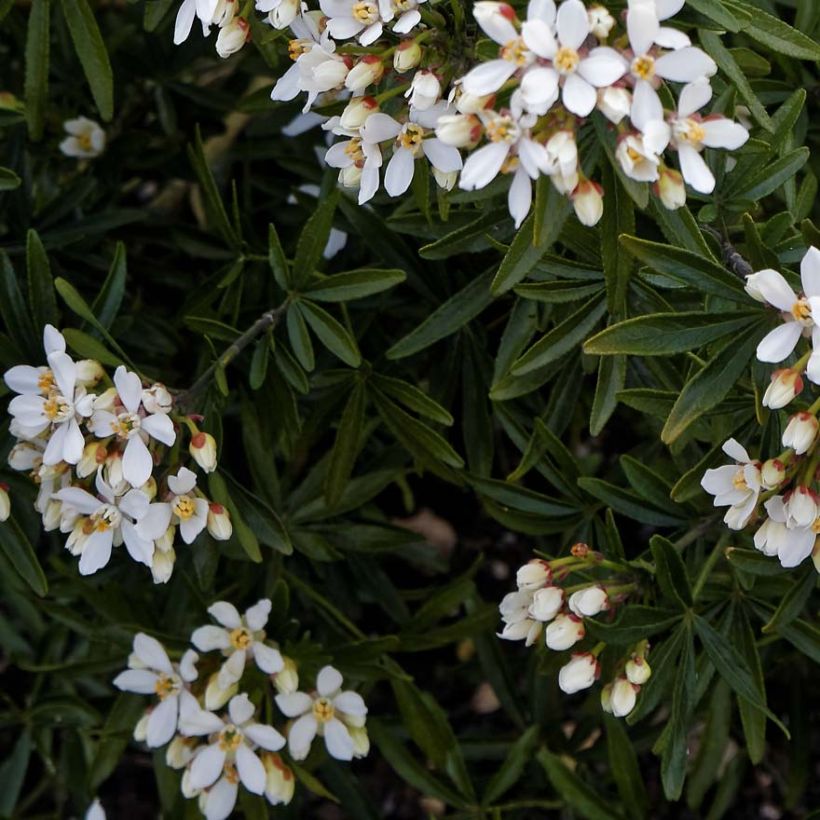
(241, 638)
(230, 774)
(84, 140)
(125, 425)
(46, 381)
(801, 310)
(106, 518)
(323, 710)
(502, 129)
(644, 67)
(411, 137)
(815, 527)
(365, 13)
(404, 5)
(57, 407)
(690, 131)
(510, 164)
(354, 150)
(184, 507)
(516, 52)
(167, 685)
(634, 154)
(296, 48)
(739, 480)
(230, 738)
(566, 60)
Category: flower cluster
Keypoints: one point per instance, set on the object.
(541, 603)
(219, 748)
(100, 451)
(519, 112)
(785, 486)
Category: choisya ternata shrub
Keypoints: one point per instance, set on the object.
(411, 408)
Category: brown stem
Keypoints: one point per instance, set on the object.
(731, 257)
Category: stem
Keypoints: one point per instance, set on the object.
(713, 558)
(268, 320)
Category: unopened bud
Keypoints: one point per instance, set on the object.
(580, 673)
(671, 189)
(459, 130)
(157, 399)
(286, 680)
(368, 71)
(93, 457)
(445, 180)
(280, 782)
(588, 202)
(614, 103)
(215, 695)
(800, 432)
(357, 111)
(785, 386)
(467, 103)
(601, 22)
(565, 631)
(141, 729)
(534, 574)
(350, 177)
(5, 502)
(588, 602)
(203, 451)
(162, 565)
(546, 603)
(624, 696)
(406, 56)
(361, 740)
(424, 91)
(638, 670)
(219, 522)
(89, 372)
(772, 473)
(180, 752)
(232, 37)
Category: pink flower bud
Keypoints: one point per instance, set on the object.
(800, 432)
(580, 673)
(785, 386)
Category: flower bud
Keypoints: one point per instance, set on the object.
(526, 630)
(141, 729)
(5, 502)
(801, 508)
(286, 680)
(24, 456)
(467, 103)
(588, 202)
(282, 14)
(459, 130)
(219, 522)
(215, 696)
(772, 474)
(162, 565)
(614, 103)
(786, 384)
(203, 451)
(671, 189)
(424, 91)
(445, 180)
(106, 399)
(367, 71)
(601, 21)
(53, 517)
(93, 457)
(534, 574)
(189, 791)
(406, 56)
(357, 111)
(180, 752)
(588, 602)
(546, 603)
(157, 399)
(638, 670)
(150, 488)
(232, 37)
(361, 740)
(580, 673)
(753, 288)
(89, 372)
(565, 631)
(515, 606)
(624, 695)
(606, 698)
(800, 432)
(350, 177)
(279, 780)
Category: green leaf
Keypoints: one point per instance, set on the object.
(462, 239)
(675, 750)
(661, 334)
(38, 40)
(41, 295)
(627, 503)
(681, 228)
(767, 180)
(562, 338)
(611, 380)
(20, 553)
(670, 572)
(575, 791)
(331, 333)
(446, 319)
(13, 773)
(716, 11)
(728, 65)
(778, 35)
(244, 534)
(521, 498)
(354, 284)
(625, 768)
(346, 446)
(259, 363)
(618, 219)
(115, 737)
(634, 623)
(557, 291)
(109, 300)
(794, 601)
(13, 309)
(8, 180)
(313, 238)
(754, 721)
(513, 767)
(689, 268)
(299, 337)
(277, 260)
(90, 48)
(410, 396)
(710, 385)
(90, 348)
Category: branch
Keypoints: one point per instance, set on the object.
(731, 257)
(268, 320)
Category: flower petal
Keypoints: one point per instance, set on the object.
(207, 638)
(602, 67)
(539, 39)
(485, 78)
(483, 165)
(220, 800)
(338, 740)
(578, 95)
(723, 133)
(399, 172)
(226, 614)
(207, 766)
(301, 735)
(779, 343)
(685, 65)
(160, 427)
(810, 272)
(250, 769)
(137, 463)
(572, 23)
(152, 653)
(241, 709)
(140, 681)
(350, 703)
(328, 681)
(294, 704)
(268, 659)
(265, 736)
(693, 97)
(734, 449)
(695, 170)
(162, 724)
(129, 388)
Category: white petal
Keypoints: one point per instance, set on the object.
(775, 289)
(53, 340)
(208, 638)
(539, 89)
(187, 665)
(250, 769)
(23, 378)
(207, 766)
(129, 387)
(294, 704)
(734, 449)
(483, 165)
(646, 106)
(140, 549)
(155, 522)
(80, 500)
(539, 39)
(198, 722)
(602, 67)
(226, 614)
(141, 681)
(541, 10)
(301, 735)
(257, 616)
(668, 37)
(152, 653)
(379, 127)
(265, 736)
(693, 97)
(519, 198)
(328, 681)
(96, 552)
(232, 669)
(695, 170)
(160, 427)
(642, 26)
(137, 463)
(268, 659)
(135, 503)
(241, 709)
(444, 158)
(578, 95)
(73, 443)
(221, 799)
(53, 453)
(338, 741)
(399, 172)
(163, 722)
(65, 372)
(485, 78)
(408, 21)
(810, 272)
(779, 343)
(350, 703)
(796, 547)
(184, 21)
(572, 23)
(668, 8)
(685, 65)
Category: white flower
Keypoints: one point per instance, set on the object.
(239, 638)
(801, 508)
(785, 385)
(230, 756)
(614, 103)
(546, 603)
(25, 379)
(637, 670)
(510, 147)
(150, 672)
(424, 91)
(184, 508)
(281, 13)
(736, 486)
(111, 521)
(562, 161)
(623, 697)
(588, 202)
(406, 56)
(519, 623)
(132, 424)
(95, 811)
(353, 18)
(578, 74)
(639, 154)
(601, 22)
(86, 138)
(792, 545)
(534, 574)
(329, 713)
(589, 601)
(232, 37)
(580, 673)
(801, 432)
(797, 311)
(157, 399)
(363, 153)
(564, 632)
(691, 134)
(209, 12)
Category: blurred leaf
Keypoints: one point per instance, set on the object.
(354, 284)
(313, 238)
(571, 788)
(40, 283)
(38, 41)
(20, 553)
(330, 333)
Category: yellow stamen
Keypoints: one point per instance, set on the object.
(323, 710)
(801, 310)
(566, 60)
(365, 13)
(46, 381)
(644, 67)
(411, 138)
(184, 507)
(739, 481)
(166, 686)
(502, 129)
(516, 52)
(230, 738)
(241, 638)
